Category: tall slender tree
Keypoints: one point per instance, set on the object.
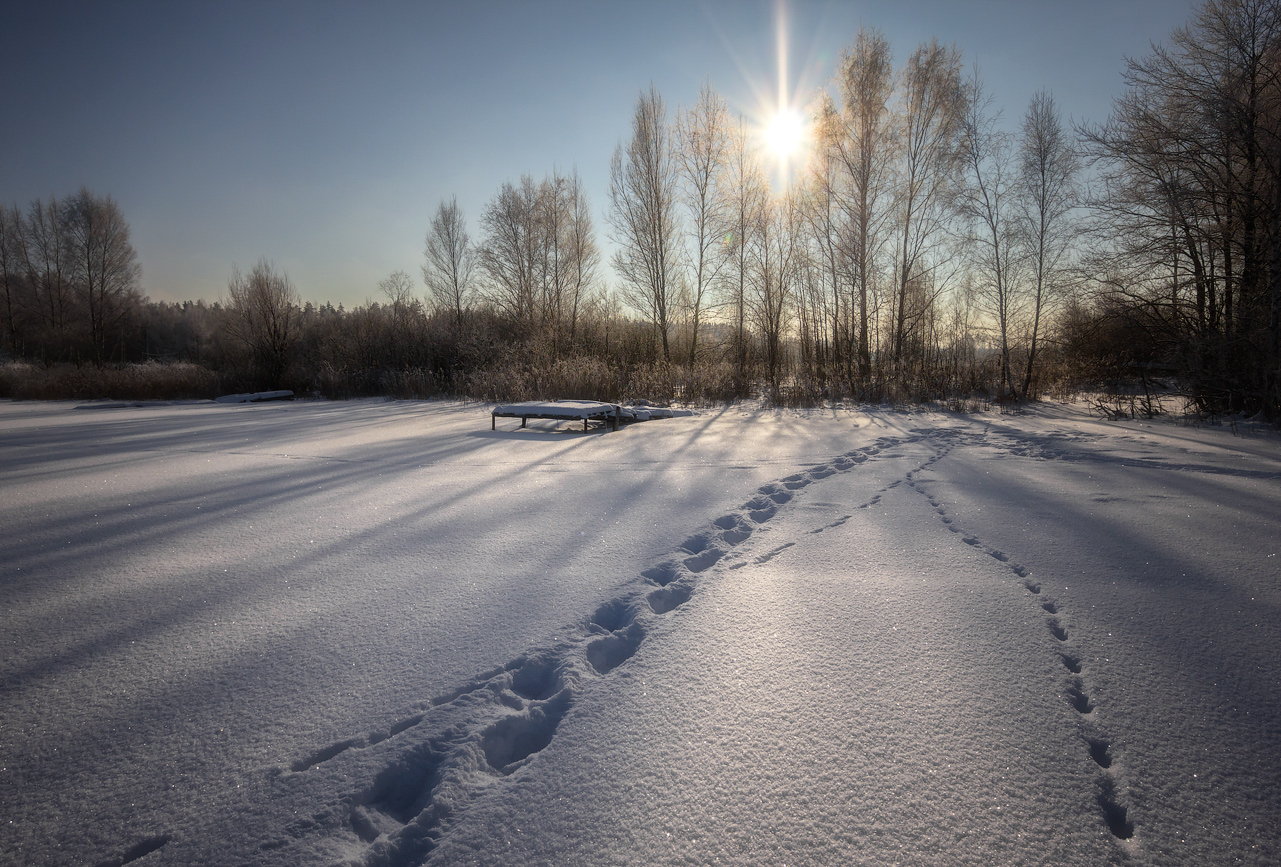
(987, 201)
(104, 267)
(746, 199)
(1048, 168)
(449, 260)
(860, 136)
(642, 194)
(702, 143)
(930, 111)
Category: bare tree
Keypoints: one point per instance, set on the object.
(987, 202)
(702, 134)
(746, 199)
(1190, 206)
(642, 195)
(859, 136)
(449, 260)
(105, 268)
(398, 289)
(776, 253)
(829, 324)
(12, 273)
(264, 317)
(567, 255)
(1049, 165)
(582, 254)
(539, 256)
(47, 262)
(511, 251)
(929, 122)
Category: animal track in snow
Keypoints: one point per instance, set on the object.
(1078, 698)
(1100, 751)
(771, 554)
(1113, 812)
(663, 574)
(838, 522)
(664, 599)
(537, 679)
(1115, 815)
(704, 561)
(1056, 628)
(137, 850)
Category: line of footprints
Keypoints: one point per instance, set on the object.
(501, 720)
(1076, 691)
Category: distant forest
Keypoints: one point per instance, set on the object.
(924, 253)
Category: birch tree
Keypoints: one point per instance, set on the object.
(702, 143)
(104, 267)
(642, 195)
(860, 136)
(987, 202)
(746, 200)
(1048, 167)
(449, 260)
(929, 118)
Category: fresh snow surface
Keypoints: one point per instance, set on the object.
(378, 633)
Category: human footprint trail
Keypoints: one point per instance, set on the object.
(422, 771)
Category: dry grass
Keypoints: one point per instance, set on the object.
(149, 381)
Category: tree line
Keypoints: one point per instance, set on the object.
(928, 249)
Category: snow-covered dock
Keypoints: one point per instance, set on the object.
(572, 410)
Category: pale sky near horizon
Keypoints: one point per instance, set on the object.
(323, 135)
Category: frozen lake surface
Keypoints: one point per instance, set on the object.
(380, 633)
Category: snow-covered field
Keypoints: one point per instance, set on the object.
(380, 634)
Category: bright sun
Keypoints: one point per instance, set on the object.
(786, 133)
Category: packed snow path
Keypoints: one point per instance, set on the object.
(933, 640)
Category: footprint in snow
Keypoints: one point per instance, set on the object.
(1100, 751)
(1078, 697)
(607, 653)
(138, 850)
(665, 599)
(662, 574)
(510, 741)
(1115, 815)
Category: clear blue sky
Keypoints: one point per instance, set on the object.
(323, 135)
